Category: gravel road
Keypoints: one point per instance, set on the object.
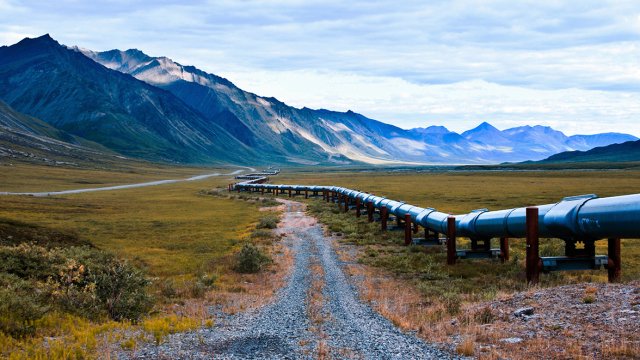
(120, 187)
(283, 329)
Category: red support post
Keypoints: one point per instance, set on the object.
(407, 229)
(451, 240)
(262, 191)
(357, 207)
(384, 215)
(306, 194)
(504, 249)
(614, 267)
(533, 239)
(370, 211)
(346, 203)
(289, 192)
(415, 227)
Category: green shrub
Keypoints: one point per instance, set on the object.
(29, 261)
(121, 288)
(79, 280)
(250, 259)
(268, 222)
(21, 303)
(269, 202)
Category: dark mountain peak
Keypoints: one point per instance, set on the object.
(40, 48)
(41, 41)
(46, 38)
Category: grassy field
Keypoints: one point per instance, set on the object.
(180, 236)
(460, 192)
(169, 230)
(36, 178)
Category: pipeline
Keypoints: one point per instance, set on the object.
(577, 217)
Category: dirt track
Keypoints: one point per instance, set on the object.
(295, 325)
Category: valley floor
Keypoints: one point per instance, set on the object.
(347, 294)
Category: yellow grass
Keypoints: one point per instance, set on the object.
(175, 232)
(461, 192)
(170, 230)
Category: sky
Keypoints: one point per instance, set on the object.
(572, 65)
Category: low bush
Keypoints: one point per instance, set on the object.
(268, 222)
(78, 280)
(266, 202)
(250, 259)
(261, 234)
(21, 303)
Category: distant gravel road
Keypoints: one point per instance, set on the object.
(283, 330)
(120, 187)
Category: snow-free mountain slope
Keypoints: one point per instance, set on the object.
(263, 123)
(627, 151)
(26, 139)
(66, 89)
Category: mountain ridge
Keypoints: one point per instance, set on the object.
(157, 109)
(624, 152)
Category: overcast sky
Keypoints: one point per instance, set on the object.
(573, 65)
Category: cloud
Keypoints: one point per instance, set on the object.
(458, 106)
(554, 49)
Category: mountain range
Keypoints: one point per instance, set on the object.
(153, 108)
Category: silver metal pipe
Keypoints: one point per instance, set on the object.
(576, 217)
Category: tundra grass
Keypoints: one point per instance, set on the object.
(169, 230)
(37, 178)
(177, 233)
